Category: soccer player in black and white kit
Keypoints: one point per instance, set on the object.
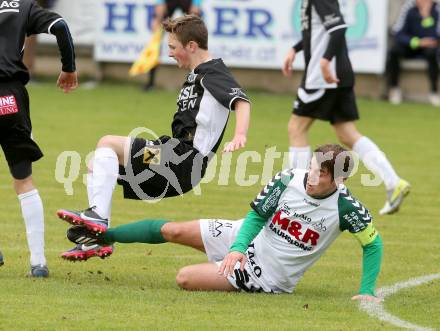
(18, 19)
(167, 166)
(326, 93)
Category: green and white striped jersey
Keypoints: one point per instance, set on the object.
(300, 228)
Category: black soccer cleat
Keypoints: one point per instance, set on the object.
(83, 253)
(1, 259)
(88, 218)
(82, 235)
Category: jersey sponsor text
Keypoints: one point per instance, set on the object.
(8, 105)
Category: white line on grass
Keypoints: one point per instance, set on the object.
(377, 310)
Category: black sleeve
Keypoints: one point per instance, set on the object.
(330, 14)
(223, 88)
(298, 47)
(65, 45)
(40, 20)
(335, 43)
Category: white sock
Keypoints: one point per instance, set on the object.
(376, 161)
(33, 215)
(105, 175)
(300, 157)
(90, 193)
(90, 188)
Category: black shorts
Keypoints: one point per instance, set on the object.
(333, 105)
(15, 124)
(161, 168)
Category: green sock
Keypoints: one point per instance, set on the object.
(147, 231)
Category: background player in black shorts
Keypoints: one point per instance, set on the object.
(167, 166)
(23, 18)
(326, 93)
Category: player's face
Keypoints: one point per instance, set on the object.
(178, 52)
(319, 181)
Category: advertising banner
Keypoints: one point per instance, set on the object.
(245, 33)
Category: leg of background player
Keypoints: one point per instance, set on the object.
(300, 151)
(370, 154)
(33, 215)
(375, 161)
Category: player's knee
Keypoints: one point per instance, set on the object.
(106, 141)
(23, 185)
(183, 278)
(171, 231)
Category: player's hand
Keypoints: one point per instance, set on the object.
(326, 71)
(67, 81)
(428, 42)
(287, 66)
(238, 142)
(366, 297)
(229, 262)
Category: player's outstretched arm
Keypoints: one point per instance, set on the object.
(355, 218)
(242, 114)
(250, 228)
(68, 79)
(371, 262)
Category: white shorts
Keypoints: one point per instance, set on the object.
(218, 236)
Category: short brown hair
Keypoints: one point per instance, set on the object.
(335, 159)
(188, 28)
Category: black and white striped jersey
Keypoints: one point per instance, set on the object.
(320, 20)
(19, 18)
(203, 105)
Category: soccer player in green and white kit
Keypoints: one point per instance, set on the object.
(296, 217)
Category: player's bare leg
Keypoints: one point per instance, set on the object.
(300, 151)
(298, 128)
(119, 144)
(204, 277)
(347, 133)
(183, 233)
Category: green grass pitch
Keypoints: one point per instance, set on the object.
(135, 288)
